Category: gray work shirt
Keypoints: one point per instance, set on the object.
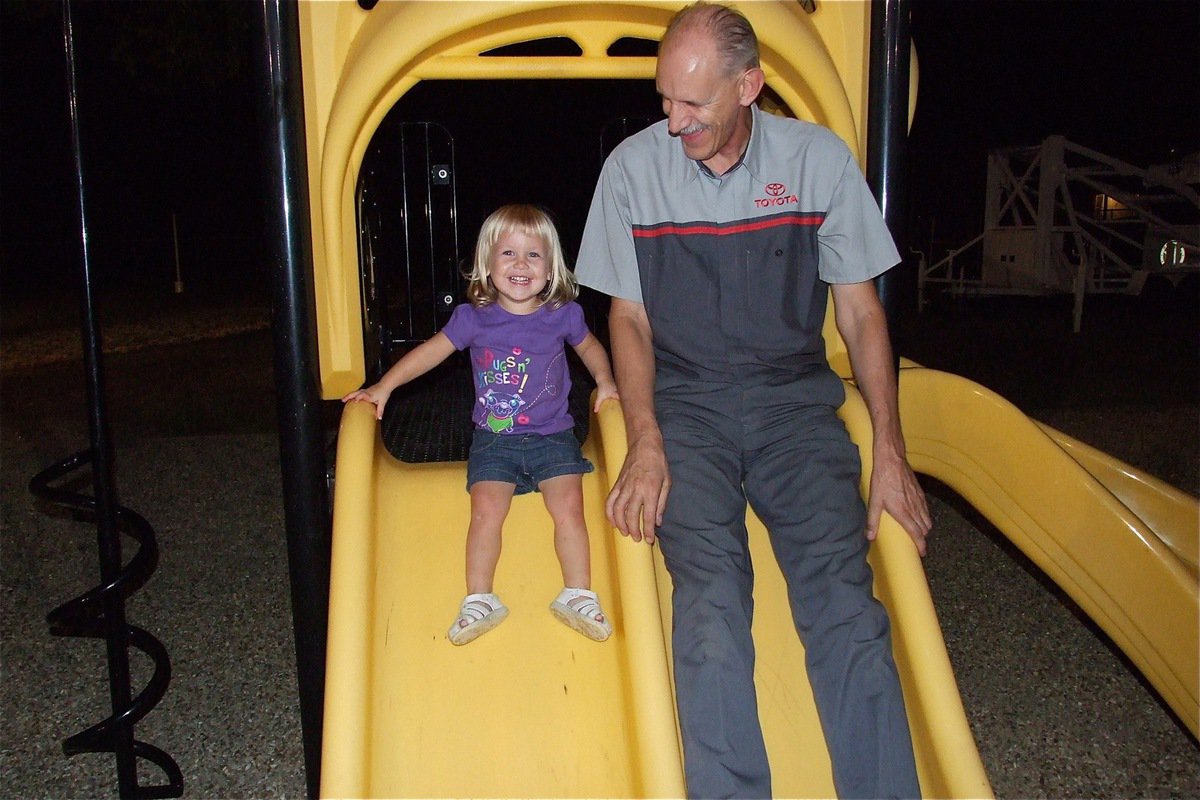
(733, 270)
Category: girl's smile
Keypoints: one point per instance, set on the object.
(519, 269)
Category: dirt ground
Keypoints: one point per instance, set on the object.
(1056, 711)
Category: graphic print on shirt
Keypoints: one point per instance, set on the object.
(501, 409)
(509, 375)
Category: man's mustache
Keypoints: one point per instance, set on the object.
(690, 129)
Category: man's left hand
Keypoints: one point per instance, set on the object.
(894, 489)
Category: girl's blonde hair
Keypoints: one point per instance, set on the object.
(561, 288)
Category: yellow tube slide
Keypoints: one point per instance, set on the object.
(533, 709)
(1119, 542)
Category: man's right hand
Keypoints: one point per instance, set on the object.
(636, 503)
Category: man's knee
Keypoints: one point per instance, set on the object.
(710, 639)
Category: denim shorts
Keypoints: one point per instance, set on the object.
(524, 459)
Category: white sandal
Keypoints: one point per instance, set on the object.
(477, 615)
(580, 609)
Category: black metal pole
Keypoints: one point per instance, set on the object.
(100, 611)
(103, 486)
(302, 452)
(887, 135)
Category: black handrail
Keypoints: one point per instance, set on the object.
(100, 612)
(85, 616)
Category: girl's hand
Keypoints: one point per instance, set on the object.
(605, 391)
(375, 394)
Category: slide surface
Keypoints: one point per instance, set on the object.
(533, 709)
(1120, 543)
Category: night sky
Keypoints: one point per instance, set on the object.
(169, 118)
(1120, 77)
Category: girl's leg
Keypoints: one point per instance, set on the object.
(490, 501)
(576, 605)
(564, 500)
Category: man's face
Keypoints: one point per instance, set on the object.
(702, 101)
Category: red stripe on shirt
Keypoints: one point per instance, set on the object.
(702, 229)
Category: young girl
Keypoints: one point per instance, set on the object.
(521, 312)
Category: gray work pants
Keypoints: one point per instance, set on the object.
(799, 471)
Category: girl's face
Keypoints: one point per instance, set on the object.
(520, 269)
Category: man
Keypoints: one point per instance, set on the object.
(718, 250)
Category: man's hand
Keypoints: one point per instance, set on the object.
(636, 503)
(894, 489)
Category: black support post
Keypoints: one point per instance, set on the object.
(103, 484)
(887, 135)
(302, 450)
(99, 613)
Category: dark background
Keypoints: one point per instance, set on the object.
(1117, 77)
(169, 109)
(169, 125)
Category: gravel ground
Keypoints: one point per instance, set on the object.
(38, 333)
(1057, 712)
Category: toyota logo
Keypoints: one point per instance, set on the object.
(775, 189)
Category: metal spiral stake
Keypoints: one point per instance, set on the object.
(100, 612)
(91, 615)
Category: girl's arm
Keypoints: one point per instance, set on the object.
(413, 364)
(592, 354)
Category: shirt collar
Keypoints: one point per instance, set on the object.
(753, 157)
(750, 157)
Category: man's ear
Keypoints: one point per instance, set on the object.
(751, 84)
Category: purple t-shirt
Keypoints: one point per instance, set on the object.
(519, 365)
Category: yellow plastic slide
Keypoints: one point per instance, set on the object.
(1122, 544)
(533, 709)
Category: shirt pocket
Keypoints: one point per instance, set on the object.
(678, 282)
(783, 288)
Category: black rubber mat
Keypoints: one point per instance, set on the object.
(430, 418)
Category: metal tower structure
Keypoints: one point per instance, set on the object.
(1064, 219)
